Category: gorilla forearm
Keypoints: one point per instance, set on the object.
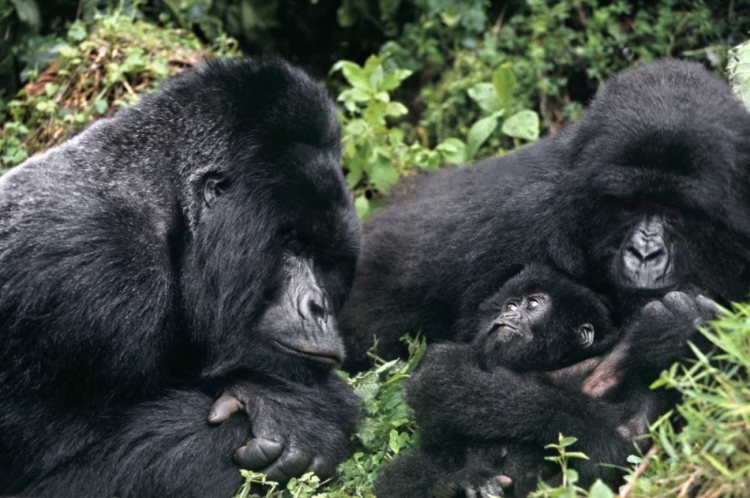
(160, 448)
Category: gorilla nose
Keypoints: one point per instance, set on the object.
(646, 256)
(313, 307)
(646, 246)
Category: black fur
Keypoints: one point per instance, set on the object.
(139, 263)
(665, 141)
(458, 459)
(646, 201)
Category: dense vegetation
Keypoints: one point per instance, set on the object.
(421, 84)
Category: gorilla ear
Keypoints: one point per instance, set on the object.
(585, 335)
(214, 186)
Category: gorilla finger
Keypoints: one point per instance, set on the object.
(223, 408)
(321, 468)
(655, 308)
(504, 481)
(259, 453)
(291, 464)
(680, 303)
(709, 308)
(470, 492)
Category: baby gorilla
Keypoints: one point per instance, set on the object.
(540, 321)
(537, 322)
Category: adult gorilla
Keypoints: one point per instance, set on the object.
(648, 193)
(196, 243)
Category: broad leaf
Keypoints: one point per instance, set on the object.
(523, 124)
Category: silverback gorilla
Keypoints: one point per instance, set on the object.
(648, 193)
(198, 243)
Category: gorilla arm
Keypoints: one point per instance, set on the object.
(504, 406)
(167, 448)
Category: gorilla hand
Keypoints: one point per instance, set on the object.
(654, 341)
(293, 434)
(663, 329)
(472, 484)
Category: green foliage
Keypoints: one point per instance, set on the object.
(710, 454)
(386, 430)
(567, 488)
(559, 52)
(738, 69)
(454, 81)
(377, 153)
(96, 69)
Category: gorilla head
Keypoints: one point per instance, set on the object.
(541, 320)
(659, 171)
(211, 218)
(276, 199)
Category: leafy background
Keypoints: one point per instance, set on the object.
(421, 85)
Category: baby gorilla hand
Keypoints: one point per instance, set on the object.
(293, 434)
(472, 484)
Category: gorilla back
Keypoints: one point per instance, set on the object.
(201, 237)
(648, 193)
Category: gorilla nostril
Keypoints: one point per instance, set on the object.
(633, 251)
(313, 307)
(658, 252)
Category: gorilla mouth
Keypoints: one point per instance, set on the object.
(504, 326)
(325, 357)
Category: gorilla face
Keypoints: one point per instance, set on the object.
(662, 177)
(541, 320)
(275, 238)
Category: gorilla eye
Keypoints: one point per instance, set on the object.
(511, 306)
(294, 242)
(214, 187)
(532, 303)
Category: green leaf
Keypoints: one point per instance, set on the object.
(600, 490)
(523, 124)
(484, 95)
(739, 71)
(362, 205)
(453, 150)
(354, 74)
(393, 79)
(504, 82)
(28, 12)
(376, 78)
(77, 32)
(396, 109)
(50, 89)
(479, 133)
(566, 441)
(394, 441)
(382, 173)
(100, 105)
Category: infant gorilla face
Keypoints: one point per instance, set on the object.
(541, 320)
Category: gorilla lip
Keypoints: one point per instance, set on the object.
(325, 357)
